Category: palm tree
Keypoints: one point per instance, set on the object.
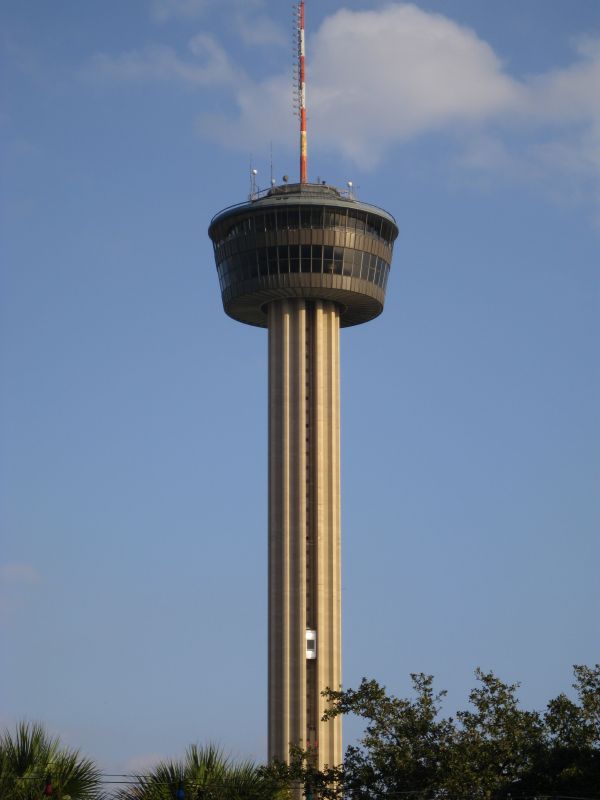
(205, 773)
(34, 766)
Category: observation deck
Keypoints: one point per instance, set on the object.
(303, 240)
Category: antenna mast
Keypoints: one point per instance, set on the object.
(301, 92)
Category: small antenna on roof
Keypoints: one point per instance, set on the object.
(253, 185)
(272, 178)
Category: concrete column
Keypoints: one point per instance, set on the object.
(304, 525)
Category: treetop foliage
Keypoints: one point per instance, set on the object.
(493, 750)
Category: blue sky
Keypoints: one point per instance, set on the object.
(133, 411)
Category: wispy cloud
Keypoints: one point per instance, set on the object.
(18, 574)
(163, 10)
(259, 30)
(381, 77)
(206, 65)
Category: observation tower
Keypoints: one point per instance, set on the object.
(303, 260)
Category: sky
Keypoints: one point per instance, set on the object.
(133, 413)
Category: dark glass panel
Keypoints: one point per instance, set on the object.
(259, 222)
(340, 219)
(328, 218)
(272, 258)
(328, 259)
(377, 274)
(282, 219)
(248, 269)
(338, 255)
(348, 261)
(372, 264)
(284, 259)
(374, 225)
(317, 258)
(293, 218)
(305, 258)
(294, 258)
(283, 255)
(305, 214)
(360, 221)
(317, 217)
(270, 221)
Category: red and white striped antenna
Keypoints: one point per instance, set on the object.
(301, 90)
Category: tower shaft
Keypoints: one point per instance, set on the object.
(304, 526)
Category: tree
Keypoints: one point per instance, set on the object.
(496, 745)
(35, 766)
(570, 763)
(404, 747)
(205, 774)
(493, 750)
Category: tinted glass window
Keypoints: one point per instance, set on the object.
(348, 261)
(305, 258)
(360, 221)
(305, 214)
(294, 258)
(338, 254)
(328, 259)
(317, 217)
(328, 218)
(272, 257)
(317, 258)
(293, 215)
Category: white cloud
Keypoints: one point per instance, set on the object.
(259, 31)
(18, 574)
(380, 77)
(163, 10)
(207, 66)
(166, 10)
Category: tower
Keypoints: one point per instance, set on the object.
(303, 260)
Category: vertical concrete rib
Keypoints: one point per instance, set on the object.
(304, 524)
